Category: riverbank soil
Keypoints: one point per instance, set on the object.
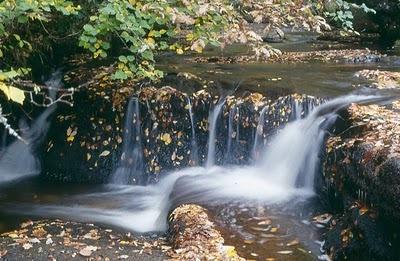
(64, 240)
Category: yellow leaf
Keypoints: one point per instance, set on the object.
(166, 138)
(70, 138)
(189, 37)
(198, 46)
(150, 42)
(13, 93)
(179, 51)
(105, 153)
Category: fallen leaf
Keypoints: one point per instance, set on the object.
(105, 153)
(285, 252)
(27, 246)
(87, 251)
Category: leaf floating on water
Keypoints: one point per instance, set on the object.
(285, 252)
(105, 153)
(274, 229)
(264, 222)
(292, 243)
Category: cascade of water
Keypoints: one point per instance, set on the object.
(11, 166)
(194, 157)
(292, 157)
(286, 171)
(231, 118)
(131, 165)
(237, 124)
(212, 132)
(258, 137)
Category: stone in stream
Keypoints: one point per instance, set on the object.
(361, 181)
(194, 236)
(274, 35)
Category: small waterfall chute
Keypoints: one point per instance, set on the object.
(11, 166)
(131, 165)
(194, 157)
(212, 132)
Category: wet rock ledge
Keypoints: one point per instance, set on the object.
(85, 144)
(362, 183)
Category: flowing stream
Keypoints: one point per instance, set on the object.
(130, 167)
(212, 132)
(286, 170)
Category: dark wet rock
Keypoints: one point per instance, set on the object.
(194, 236)
(85, 142)
(396, 47)
(357, 235)
(362, 180)
(274, 35)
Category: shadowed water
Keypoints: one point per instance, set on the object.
(18, 159)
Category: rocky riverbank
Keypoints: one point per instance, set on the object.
(65, 240)
(361, 172)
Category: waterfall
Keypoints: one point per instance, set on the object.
(258, 137)
(11, 166)
(230, 135)
(131, 165)
(212, 132)
(194, 157)
(284, 172)
(237, 124)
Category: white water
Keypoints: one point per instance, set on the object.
(230, 135)
(130, 166)
(258, 138)
(285, 171)
(212, 132)
(194, 157)
(18, 159)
